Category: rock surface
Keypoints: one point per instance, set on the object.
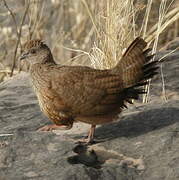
(142, 146)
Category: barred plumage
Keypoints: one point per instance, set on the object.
(74, 93)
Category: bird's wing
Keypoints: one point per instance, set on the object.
(87, 91)
(84, 90)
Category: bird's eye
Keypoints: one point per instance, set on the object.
(33, 51)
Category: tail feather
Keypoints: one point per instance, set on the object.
(148, 58)
(140, 84)
(147, 51)
(149, 65)
(135, 64)
(150, 71)
(136, 68)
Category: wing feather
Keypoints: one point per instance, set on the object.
(91, 92)
(83, 90)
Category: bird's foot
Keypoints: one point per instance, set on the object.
(86, 141)
(51, 127)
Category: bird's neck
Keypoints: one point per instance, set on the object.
(48, 59)
(39, 74)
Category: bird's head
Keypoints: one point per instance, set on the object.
(36, 51)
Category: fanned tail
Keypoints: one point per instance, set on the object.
(136, 68)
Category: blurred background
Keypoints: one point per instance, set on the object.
(83, 32)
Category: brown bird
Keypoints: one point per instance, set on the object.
(75, 93)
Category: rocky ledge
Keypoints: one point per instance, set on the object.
(143, 145)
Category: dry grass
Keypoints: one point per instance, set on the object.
(89, 32)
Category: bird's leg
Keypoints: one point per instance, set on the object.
(51, 127)
(91, 134)
(90, 138)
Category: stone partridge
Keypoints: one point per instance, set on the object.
(68, 94)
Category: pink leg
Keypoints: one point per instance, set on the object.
(90, 137)
(51, 127)
(91, 134)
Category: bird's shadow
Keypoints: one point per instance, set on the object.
(140, 123)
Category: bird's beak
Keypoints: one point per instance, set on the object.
(23, 56)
